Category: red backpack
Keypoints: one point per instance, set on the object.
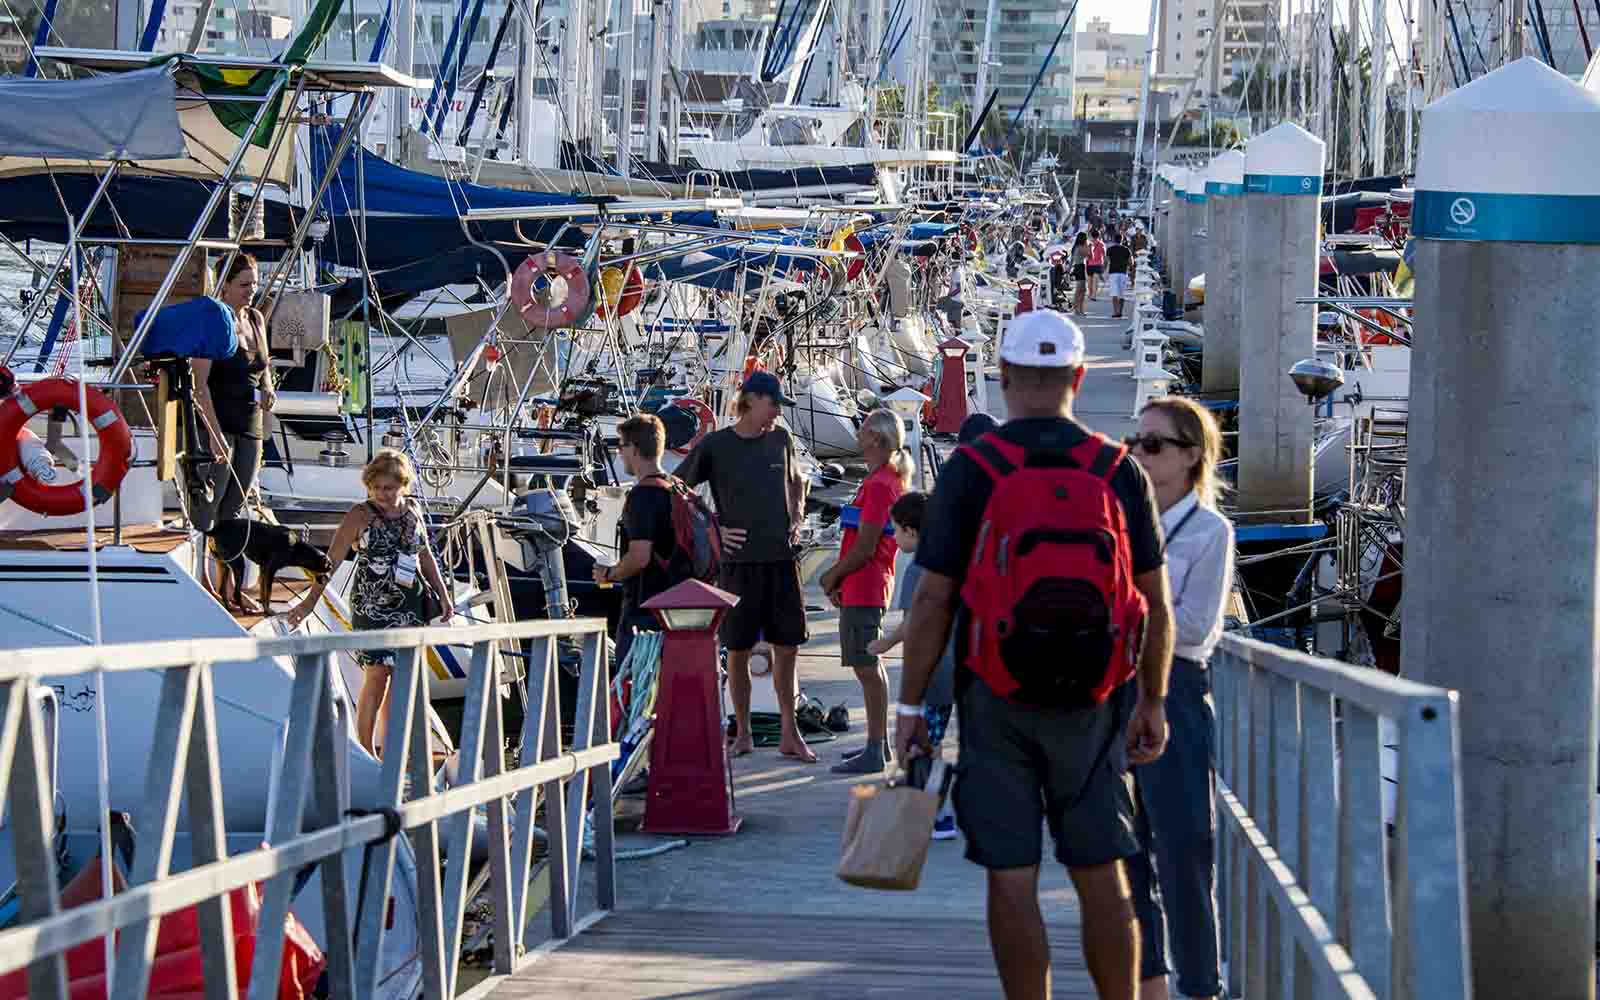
(1056, 620)
(698, 552)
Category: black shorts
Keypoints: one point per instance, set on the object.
(771, 606)
(1020, 765)
(1078, 271)
(1097, 269)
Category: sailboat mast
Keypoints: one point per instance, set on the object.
(405, 47)
(982, 96)
(629, 10)
(1144, 91)
(573, 50)
(1352, 47)
(658, 56)
(1377, 101)
(527, 42)
(874, 41)
(674, 96)
(595, 94)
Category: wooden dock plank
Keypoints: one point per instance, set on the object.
(668, 953)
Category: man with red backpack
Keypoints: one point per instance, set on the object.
(667, 534)
(1041, 545)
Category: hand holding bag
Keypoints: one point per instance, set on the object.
(887, 830)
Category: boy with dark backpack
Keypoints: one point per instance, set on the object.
(1041, 545)
(667, 535)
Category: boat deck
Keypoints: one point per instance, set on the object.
(761, 913)
(156, 539)
(151, 539)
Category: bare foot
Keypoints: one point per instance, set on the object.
(797, 750)
(248, 606)
(741, 746)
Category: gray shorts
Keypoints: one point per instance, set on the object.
(1023, 766)
(857, 627)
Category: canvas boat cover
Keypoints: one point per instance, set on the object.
(130, 116)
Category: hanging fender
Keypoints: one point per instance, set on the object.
(621, 290)
(116, 447)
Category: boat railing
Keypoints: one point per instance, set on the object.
(311, 823)
(1318, 895)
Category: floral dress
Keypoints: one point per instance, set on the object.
(378, 599)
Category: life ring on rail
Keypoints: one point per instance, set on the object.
(534, 303)
(116, 447)
(703, 414)
(619, 290)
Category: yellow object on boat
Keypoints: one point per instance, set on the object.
(1197, 288)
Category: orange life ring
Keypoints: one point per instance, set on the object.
(625, 291)
(534, 304)
(702, 412)
(116, 447)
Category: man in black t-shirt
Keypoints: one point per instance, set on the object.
(1119, 270)
(648, 542)
(754, 470)
(1023, 765)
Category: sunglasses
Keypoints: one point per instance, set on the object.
(1151, 444)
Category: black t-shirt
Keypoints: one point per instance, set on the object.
(647, 516)
(1118, 258)
(955, 509)
(750, 480)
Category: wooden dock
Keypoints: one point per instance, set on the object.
(761, 914)
(673, 953)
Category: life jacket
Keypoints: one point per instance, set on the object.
(698, 552)
(1056, 620)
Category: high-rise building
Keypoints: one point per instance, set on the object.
(1249, 33)
(1108, 73)
(1019, 44)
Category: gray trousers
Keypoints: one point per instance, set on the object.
(232, 480)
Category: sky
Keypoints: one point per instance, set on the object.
(1126, 17)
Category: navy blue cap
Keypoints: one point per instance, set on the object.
(766, 384)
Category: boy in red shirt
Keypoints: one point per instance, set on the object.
(862, 580)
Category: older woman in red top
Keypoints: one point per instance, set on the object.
(861, 581)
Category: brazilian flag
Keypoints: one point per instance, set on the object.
(217, 81)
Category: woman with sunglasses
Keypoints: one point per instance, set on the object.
(1178, 445)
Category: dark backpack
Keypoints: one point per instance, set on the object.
(1055, 617)
(698, 552)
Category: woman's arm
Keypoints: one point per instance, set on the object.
(430, 569)
(354, 523)
(208, 410)
(269, 386)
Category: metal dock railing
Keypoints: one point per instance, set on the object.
(185, 761)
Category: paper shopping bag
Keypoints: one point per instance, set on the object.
(886, 834)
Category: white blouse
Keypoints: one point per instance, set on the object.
(1199, 571)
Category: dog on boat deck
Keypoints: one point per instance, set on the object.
(271, 547)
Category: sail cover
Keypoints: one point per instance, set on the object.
(130, 116)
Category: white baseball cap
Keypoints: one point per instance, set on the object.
(1042, 338)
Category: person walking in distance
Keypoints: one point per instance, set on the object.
(1048, 623)
(1119, 268)
(754, 472)
(1080, 272)
(1174, 875)
(862, 580)
(1095, 261)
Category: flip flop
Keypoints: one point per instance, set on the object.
(735, 752)
(812, 759)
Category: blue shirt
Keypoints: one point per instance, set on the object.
(942, 685)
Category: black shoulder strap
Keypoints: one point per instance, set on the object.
(1106, 462)
(1181, 522)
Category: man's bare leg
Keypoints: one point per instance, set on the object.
(786, 684)
(1016, 933)
(1110, 929)
(739, 694)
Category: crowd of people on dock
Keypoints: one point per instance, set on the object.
(1100, 728)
